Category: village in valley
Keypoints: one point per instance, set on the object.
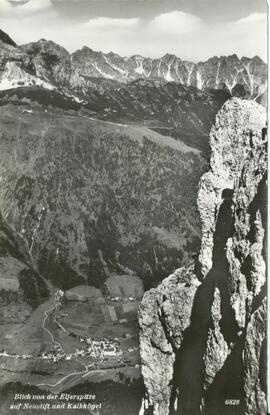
(84, 334)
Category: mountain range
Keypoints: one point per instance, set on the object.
(50, 65)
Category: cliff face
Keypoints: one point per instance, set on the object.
(202, 331)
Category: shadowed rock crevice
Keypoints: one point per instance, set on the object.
(259, 203)
(189, 365)
(263, 366)
(227, 385)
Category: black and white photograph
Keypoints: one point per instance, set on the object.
(133, 207)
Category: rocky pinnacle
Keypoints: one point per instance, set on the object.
(203, 329)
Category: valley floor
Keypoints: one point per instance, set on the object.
(54, 352)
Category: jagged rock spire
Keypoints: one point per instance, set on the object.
(203, 329)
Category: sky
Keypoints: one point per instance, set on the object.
(191, 29)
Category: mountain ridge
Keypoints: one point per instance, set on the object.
(244, 77)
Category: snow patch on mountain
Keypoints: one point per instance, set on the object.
(116, 68)
(104, 74)
(217, 76)
(15, 77)
(168, 75)
(234, 79)
(250, 77)
(179, 77)
(139, 69)
(189, 70)
(199, 80)
(159, 71)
